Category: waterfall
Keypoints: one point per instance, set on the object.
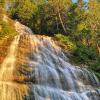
(37, 69)
(9, 89)
(54, 78)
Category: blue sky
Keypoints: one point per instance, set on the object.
(76, 0)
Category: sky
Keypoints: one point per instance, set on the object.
(76, 0)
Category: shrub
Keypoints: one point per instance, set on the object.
(95, 67)
(85, 54)
(6, 30)
(23, 11)
(66, 41)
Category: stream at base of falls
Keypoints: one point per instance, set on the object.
(37, 69)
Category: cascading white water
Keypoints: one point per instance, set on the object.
(54, 78)
(49, 75)
(10, 90)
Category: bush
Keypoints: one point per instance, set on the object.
(6, 30)
(23, 11)
(66, 41)
(95, 67)
(85, 54)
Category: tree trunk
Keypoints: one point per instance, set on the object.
(61, 21)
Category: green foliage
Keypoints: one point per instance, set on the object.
(85, 54)
(42, 16)
(23, 11)
(66, 41)
(2, 6)
(72, 20)
(6, 30)
(95, 67)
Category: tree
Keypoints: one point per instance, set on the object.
(51, 16)
(61, 8)
(23, 10)
(75, 18)
(2, 6)
(93, 23)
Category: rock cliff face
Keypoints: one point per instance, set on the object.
(37, 69)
